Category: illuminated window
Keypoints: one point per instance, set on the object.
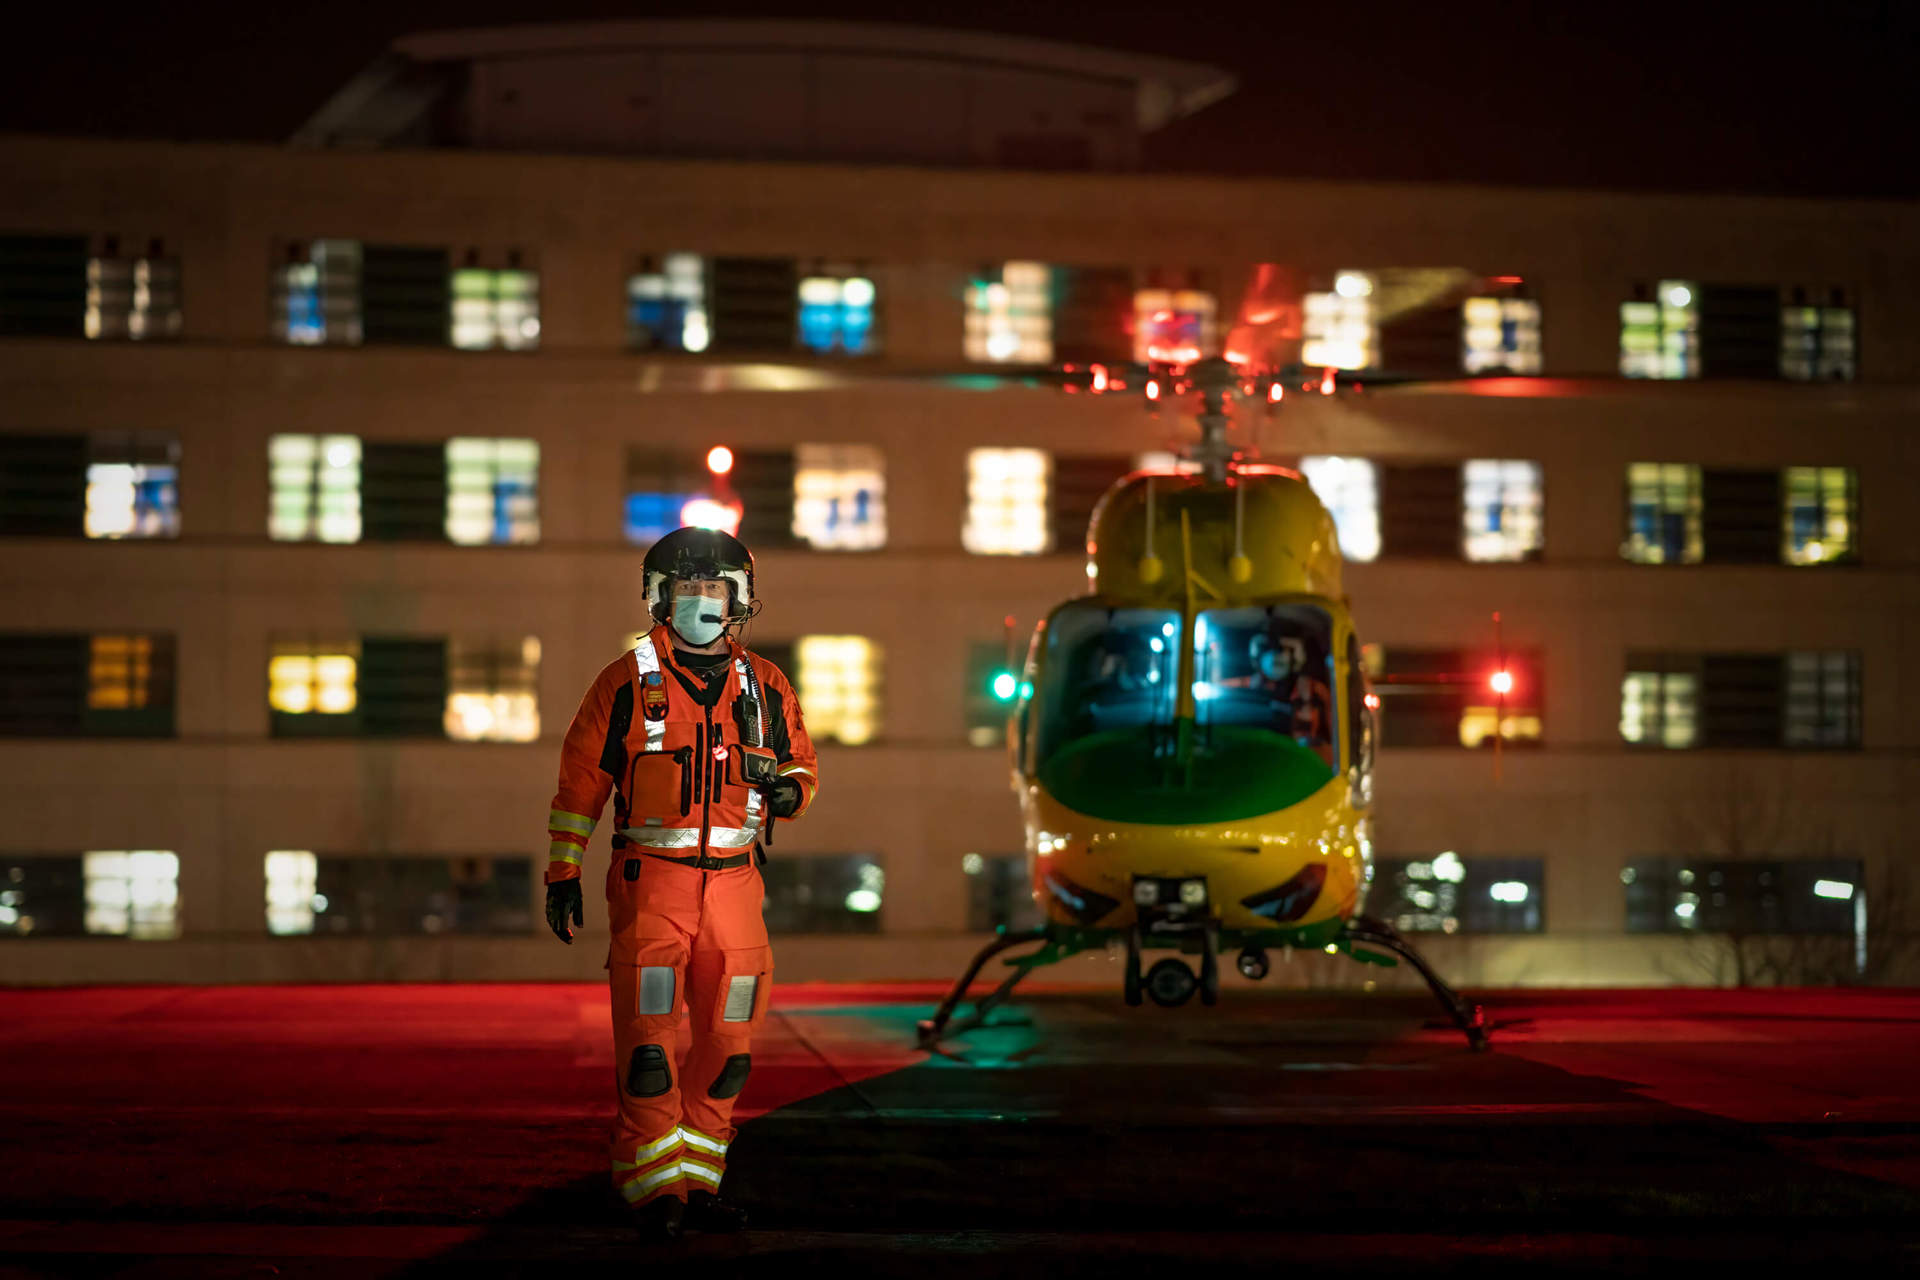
(290, 892)
(838, 682)
(1500, 335)
(823, 894)
(1819, 517)
(132, 894)
(1010, 314)
(1007, 501)
(137, 298)
(660, 483)
(493, 690)
(317, 294)
(999, 894)
(1174, 325)
(491, 491)
(65, 685)
(1338, 328)
(1742, 895)
(1663, 513)
(840, 496)
(41, 897)
(836, 314)
(133, 486)
(386, 896)
(1817, 342)
(316, 488)
(1823, 699)
(1451, 894)
(313, 678)
(667, 308)
(1502, 510)
(1446, 697)
(1659, 708)
(1348, 489)
(124, 675)
(1661, 338)
(496, 308)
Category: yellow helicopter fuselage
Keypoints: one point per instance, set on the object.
(1200, 717)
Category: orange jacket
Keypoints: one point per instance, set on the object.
(674, 766)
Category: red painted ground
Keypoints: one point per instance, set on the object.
(363, 1130)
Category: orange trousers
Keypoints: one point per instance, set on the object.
(681, 936)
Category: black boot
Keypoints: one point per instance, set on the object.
(659, 1220)
(708, 1212)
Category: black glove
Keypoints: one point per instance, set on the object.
(563, 900)
(783, 798)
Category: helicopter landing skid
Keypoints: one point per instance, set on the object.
(931, 1029)
(1468, 1016)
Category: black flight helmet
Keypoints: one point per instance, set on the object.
(698, 553)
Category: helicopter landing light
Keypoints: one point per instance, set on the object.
(1193, 892)
(1146, 892)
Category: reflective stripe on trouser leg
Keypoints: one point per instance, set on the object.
(645, 978)
(654, 1172)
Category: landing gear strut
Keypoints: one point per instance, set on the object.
(931, 1029)
(1468, 1016)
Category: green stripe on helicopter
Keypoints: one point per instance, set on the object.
(1129, 775)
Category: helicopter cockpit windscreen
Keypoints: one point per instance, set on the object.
(1264, 726)
(1108, 670)
(1267, 668)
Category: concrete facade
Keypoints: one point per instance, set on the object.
(222, 792)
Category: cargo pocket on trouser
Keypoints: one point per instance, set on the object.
(729, 1005)
(647, 986)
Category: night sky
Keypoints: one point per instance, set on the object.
(1815, 98)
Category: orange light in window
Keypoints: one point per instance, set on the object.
(1153, 388)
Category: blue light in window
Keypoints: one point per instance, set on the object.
(836, 315)
(652, 516)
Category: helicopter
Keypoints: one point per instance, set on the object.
(1192, 742)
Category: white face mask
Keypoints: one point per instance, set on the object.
(699, 620)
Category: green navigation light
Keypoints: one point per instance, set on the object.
(1004, 686)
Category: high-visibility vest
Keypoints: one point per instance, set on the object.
(675, 766)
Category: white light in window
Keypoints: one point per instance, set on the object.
(1507, 891)
(839, 496)
(838, 679)
(492, 491)
(709, 513)
(132, 894)
(343, 453)
(972, 864)
(291, 900)
(1348, 489)
(694, 334)
(863, 901)
(857, 292)
(1449, 867)
(1684, 910)
(1353, 284)
(1832, 889)
(1007, 501)
(1678, 295)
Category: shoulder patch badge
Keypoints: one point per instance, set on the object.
(653, 697)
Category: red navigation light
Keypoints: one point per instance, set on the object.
(1153, 388)
(1508, 280)
(1373, 701)
(1501, 682)
(1099, 377)
(1328, 381)
(719, 459)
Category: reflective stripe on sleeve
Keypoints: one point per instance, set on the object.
(562, 851)
(577, 824)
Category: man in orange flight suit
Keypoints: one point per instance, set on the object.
(702, 746)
